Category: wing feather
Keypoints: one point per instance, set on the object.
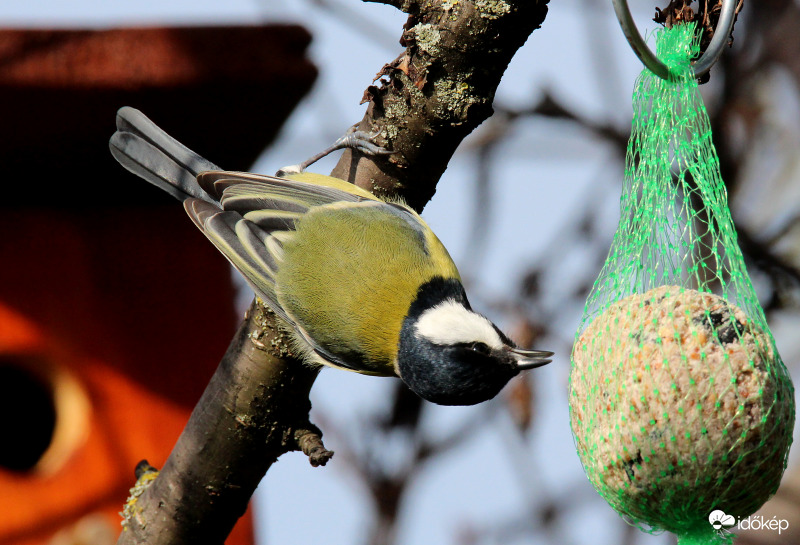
(256, 250)
(246, 202)
(306, 186)
(242, 243)
(273, 220)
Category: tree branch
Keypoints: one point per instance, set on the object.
(435, 93)
(254, 409)
(256, 405)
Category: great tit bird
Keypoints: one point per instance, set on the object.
(362, 283)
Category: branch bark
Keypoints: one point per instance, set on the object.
(256, 406)
(254, 409)
(436, 92)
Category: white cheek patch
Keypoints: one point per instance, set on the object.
(451, 323)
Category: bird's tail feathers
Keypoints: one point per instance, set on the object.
(144, 149)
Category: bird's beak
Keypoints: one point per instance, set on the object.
(530, 359)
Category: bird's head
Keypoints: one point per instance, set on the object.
(450, 355)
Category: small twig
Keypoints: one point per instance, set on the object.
(309, 441)
(403, 5)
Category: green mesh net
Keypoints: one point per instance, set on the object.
(679, 402)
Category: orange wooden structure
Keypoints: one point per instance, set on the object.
(114, 309)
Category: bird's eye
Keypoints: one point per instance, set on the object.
(481, 348)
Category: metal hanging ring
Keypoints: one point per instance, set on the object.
(703, 64)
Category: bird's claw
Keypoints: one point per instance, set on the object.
(360, 141)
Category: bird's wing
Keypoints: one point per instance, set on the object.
(256, 214)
